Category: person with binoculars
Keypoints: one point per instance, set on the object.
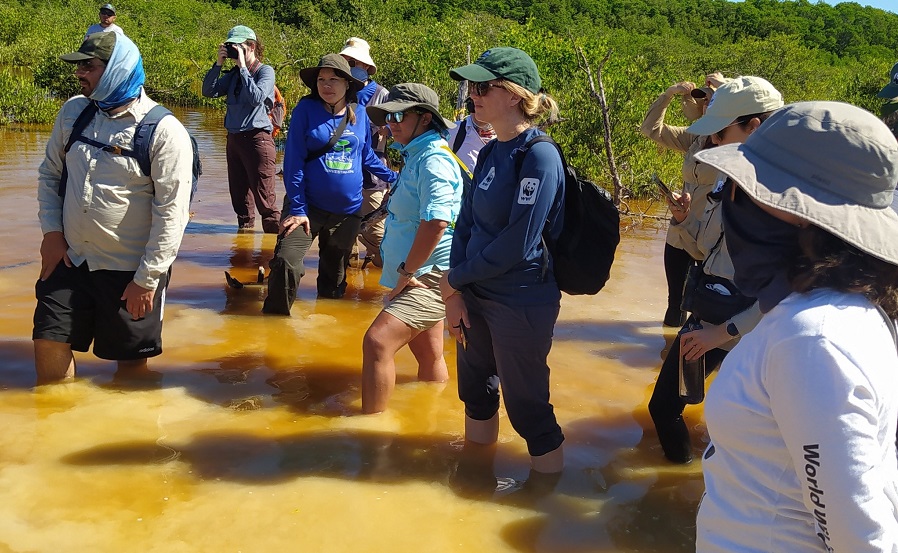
(250, 151)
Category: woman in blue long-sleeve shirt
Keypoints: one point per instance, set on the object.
(324, 184)
(249, 89)
(501, 303)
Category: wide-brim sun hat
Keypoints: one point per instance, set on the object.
(408, 96)
(240, 34)
(891, 90)
(502, 62)
(832, 164)
(309, 75)
(741, 96)
(359, 50)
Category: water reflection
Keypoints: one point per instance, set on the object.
(246, 435)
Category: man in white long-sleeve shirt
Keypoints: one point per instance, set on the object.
(110, 231)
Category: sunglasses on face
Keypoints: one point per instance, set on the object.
(87, 65)
(398, 116)
(106, 12)
(481, 89)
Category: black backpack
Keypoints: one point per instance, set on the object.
(460, 137)
(140, 147)
(584, 251)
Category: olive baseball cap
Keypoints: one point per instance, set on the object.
(240, 34)
(503, 62)
(407, 96)
(891, 90)
(98, 45)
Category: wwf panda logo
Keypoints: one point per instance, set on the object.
(527, 193)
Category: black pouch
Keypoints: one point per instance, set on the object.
(712, 299)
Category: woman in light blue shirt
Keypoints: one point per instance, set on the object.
(422, 209)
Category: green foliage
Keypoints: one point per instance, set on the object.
(808, 50)
(20, 100)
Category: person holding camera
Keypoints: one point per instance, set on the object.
(720, 312)
(250, 151)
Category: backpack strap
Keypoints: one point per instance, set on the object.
(269, 102)
(84, 118)
(338, 132)
(460, 137)
(518, 164)
(143, 136)
(467, 177)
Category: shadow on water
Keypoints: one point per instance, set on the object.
(17, 364)
(618, 500)
(250, 382)
(630, 342)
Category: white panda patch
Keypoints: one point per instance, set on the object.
(527, 193)
(486, 181)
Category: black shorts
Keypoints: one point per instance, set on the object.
(78, 306)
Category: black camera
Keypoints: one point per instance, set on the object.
(232, 50)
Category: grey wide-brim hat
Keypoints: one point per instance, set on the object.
(338, 63)
(407, 96)
(832, 164)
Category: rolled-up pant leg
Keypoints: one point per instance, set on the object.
(521, 337)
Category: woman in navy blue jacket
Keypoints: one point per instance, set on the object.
(500, 303)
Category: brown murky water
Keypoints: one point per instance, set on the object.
(251, 438)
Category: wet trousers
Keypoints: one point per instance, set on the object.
(666, 406)
(251, 172)
(676, 265)
(507, 346)
(336, 233)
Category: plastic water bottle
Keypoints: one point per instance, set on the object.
(692, 373)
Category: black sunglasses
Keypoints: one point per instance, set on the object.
(481, 89)
(398, 116)
(106, 12)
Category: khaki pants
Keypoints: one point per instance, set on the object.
(371, 238)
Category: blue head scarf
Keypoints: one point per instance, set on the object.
(123, 77)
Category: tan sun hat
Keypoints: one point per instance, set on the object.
(741, 96)
(359, 49)
(832, 164)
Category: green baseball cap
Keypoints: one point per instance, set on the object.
(503, 62)
(98, 45)
(240, 34)
(891, 90)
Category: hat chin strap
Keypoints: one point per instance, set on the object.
(333, 107)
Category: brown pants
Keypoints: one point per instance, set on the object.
(251, 172)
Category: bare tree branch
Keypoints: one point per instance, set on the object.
(606, 119)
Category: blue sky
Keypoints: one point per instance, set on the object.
(889, 5)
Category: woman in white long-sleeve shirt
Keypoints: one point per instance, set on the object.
(802, 416)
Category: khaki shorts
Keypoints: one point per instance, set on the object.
(420, 308)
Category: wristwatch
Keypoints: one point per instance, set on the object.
(732, 330)
(401, 270)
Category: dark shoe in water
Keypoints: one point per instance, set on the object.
(674, 317)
